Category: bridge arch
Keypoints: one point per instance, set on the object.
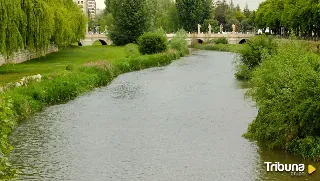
(243, 41)
(103, 42)
(200, 41)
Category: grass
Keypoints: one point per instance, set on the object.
(55, 64)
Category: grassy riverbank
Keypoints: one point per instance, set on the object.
(55, 64)
(67, 74)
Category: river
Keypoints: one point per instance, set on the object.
(182, 122)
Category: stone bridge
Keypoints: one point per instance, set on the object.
(234, 38)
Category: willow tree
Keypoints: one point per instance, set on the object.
(34, 24)
(10, 20)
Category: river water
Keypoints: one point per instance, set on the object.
(183, 122)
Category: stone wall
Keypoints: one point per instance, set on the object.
(24, 55)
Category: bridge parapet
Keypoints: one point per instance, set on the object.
(233, 38)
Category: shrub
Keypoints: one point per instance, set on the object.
(132, 50)
(253, 53)
(179, 42)
(7, 124)
(152, 42)
(256, 49)
(286, 89)
(221, 40)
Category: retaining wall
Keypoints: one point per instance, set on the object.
(24, 55)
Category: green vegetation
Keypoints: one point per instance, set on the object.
(132, 50)
(55, 64)
(252, 54)
(179, 43)
(286, 91)
(152, 42)
(297, 16)
(187, 14)
(220, 47)
(221, 40)
(193, 12)
(66, 74)
(33, 25)
(130, 21)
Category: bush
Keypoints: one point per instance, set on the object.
(132, 50)
(179, 42)
(256, 49)
(286, 89)
(7, 125)
(221, 40)
(253, 53)
(152, 42)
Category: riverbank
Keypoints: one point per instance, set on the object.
(55, 64)
(63, 80)
(284, 84)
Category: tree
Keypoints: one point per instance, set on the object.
(246, 11)
(214, 25)
(221, 11)
(130, 21)
(193, 12)
(33, 25)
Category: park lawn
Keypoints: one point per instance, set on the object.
(55, 63)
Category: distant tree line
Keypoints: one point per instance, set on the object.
(130, 18)
(300, 17)
(34, 24)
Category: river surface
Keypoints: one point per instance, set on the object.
(182, 122)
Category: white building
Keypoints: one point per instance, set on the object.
(89, 7)
(83, 5)
(92, 8)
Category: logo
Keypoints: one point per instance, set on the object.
(293, 169)
(311, 169)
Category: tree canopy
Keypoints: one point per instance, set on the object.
(130, 21)
(298, 16)
(34, 24)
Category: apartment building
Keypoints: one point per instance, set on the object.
(83, 5)
(92, 8)
(89, 7)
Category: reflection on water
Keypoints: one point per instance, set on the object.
(180, 122)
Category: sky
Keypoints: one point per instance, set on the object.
(253, 4)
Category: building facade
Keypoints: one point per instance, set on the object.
(89, 7)
(83, 4)
(92, 8)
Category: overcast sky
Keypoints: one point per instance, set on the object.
(253, 4)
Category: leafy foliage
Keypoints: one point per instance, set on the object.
(132, 50)
(257, 49)
(221, 40)
(286, 90)
(152, 42)
(6, 127)
(130, 21)
(253, 53)
(35, 24)
(193, 12)
(295, 15)
(179, 42)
